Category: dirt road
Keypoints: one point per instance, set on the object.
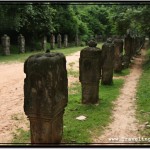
(12, 96)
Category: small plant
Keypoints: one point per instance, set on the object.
(21, 136)
(73, 73)
(14, 117)
(71, 64)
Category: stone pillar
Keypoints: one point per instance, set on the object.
(59, 40)
(127, 47)
(118, 48)
(65, 40)
(45, 96)
(5, 45)
(138, 44)
(21, 43)
(77, 40)
(146, 43)
(89, 70)
(44, 43)
(141, 44)
(52, 41)
(108, 62)
(133, 46)
(96, 38)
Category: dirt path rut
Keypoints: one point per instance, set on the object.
(124, 125)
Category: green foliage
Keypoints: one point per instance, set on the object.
(141, 17)
(43, 18)
(143, 98)
(119, 19)
(32, 18)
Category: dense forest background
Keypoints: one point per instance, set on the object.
(34, 20)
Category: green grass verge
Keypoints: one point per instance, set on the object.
(21, 136)
(98, 116)
(124, 72)
(143, 97)
(15, 57)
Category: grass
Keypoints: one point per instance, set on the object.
(22, 57)
(21, 136)
(98, 116)
(124, 72)
(15, 57)
(73, 73)
(143, 97)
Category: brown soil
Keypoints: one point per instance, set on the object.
(12, 98)
(124, 125)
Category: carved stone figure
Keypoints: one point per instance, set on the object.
(77, 40)
(118, 48)
(52, 41)
(45, 96)
(128, 50)
(108, 62)
(21, 42)
(44, 43)
(59, 40)
(5, 45)
(89, 70)
(65, 40)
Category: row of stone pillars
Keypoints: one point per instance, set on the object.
(59, 41)
(132, 46)
(21, 42)
(96, 64)
(6, 44)
(46, 89)
(46, 86)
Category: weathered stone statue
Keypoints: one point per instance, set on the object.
(108, 62)
(133, 46)
(128, 50)
(118, 47)
(77, 40)
(52, 41)
(96, 38)
(45, 96)
(59, 40)
(44, 43)
(89, 70)
(138, 45)
(65, 40)
(21, 42)
(5, 45)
